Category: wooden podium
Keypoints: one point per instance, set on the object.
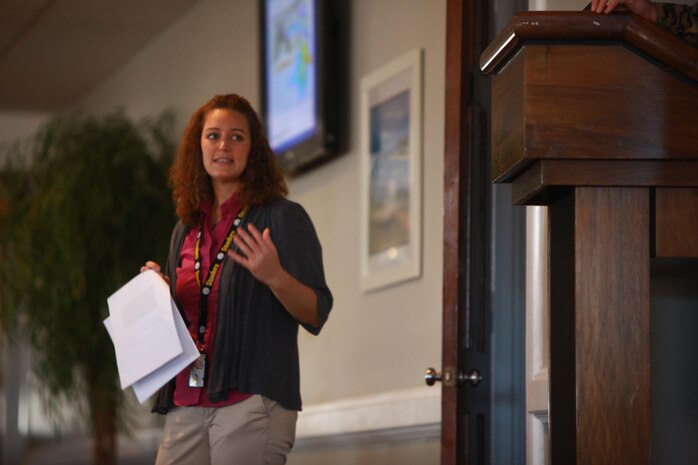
(596, 116)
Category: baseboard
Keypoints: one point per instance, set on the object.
(431, 431)
(394, 416)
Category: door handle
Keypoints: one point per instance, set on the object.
(450, 378)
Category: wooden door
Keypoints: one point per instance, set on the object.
(461, 251)
(471, 219)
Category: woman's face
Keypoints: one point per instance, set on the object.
(225, 145)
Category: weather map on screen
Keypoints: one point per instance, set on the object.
(290, 72)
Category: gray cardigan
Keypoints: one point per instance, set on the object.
(256, 347)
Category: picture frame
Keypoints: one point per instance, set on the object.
(391, 173)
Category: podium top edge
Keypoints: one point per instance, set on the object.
(569, 27)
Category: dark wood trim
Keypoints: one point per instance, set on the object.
(586, 26)
(455, 165)
(529, 188)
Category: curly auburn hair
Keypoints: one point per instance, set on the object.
(262, 180)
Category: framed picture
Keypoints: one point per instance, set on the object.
(391, 173)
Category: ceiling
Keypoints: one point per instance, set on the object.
(52, 52)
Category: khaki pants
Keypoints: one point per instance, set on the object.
(256, 431)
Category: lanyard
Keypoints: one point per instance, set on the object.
(206, 286)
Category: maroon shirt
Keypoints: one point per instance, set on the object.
(189, 293)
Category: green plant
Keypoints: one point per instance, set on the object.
(81, 209)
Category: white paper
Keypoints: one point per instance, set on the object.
(149, 384)
(142, 327)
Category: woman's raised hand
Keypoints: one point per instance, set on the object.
(257, 253)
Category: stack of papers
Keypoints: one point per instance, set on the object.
(151, 342)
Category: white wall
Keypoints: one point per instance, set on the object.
(374, 343)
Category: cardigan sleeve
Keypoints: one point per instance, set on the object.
(300, 254)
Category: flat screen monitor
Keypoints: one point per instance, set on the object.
(303, 80)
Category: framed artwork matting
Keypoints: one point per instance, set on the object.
(391, 173)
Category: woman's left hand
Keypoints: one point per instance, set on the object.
(258, 254)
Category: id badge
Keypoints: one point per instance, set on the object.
(198, 369)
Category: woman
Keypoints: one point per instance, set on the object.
(238, 402)
(681, 20)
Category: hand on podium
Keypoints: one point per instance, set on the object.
(677, 18)
(643, 8)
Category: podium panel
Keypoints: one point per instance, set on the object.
(595, 117)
